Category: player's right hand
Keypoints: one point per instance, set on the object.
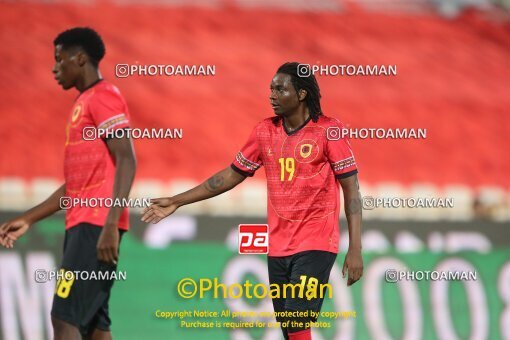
(10, 231)
(159, 209)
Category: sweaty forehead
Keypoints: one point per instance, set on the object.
(281, 79)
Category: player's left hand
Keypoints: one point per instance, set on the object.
(108, 245)
(353, 264)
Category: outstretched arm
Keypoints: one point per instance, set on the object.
(221, 182)
(352, 200)
(10, 231)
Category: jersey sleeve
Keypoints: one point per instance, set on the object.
(248, 159)
(109, 111)
(340, 155)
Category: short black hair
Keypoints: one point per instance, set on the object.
(84, 37)
(307, 83)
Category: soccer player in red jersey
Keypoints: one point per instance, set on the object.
(93, 168)
(305, 160)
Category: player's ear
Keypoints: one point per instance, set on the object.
(302, 95)
(81, 58)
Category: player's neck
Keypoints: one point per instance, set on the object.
(297, 119)
(90, 77)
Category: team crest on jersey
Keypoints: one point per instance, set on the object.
(306, 151)
(76, 113)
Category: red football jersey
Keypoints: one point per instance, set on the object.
(89, 169)
(302, 168)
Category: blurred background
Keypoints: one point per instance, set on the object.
(453, 61)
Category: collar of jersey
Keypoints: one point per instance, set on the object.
(296, 130)
(90, 86)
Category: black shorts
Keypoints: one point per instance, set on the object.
(83, 303)
(313, 266)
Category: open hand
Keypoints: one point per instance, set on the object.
(10, 231)
(160, 208)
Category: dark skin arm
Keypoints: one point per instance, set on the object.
(122, 152)
(11, 230)
(353, 263)
(221, 182)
